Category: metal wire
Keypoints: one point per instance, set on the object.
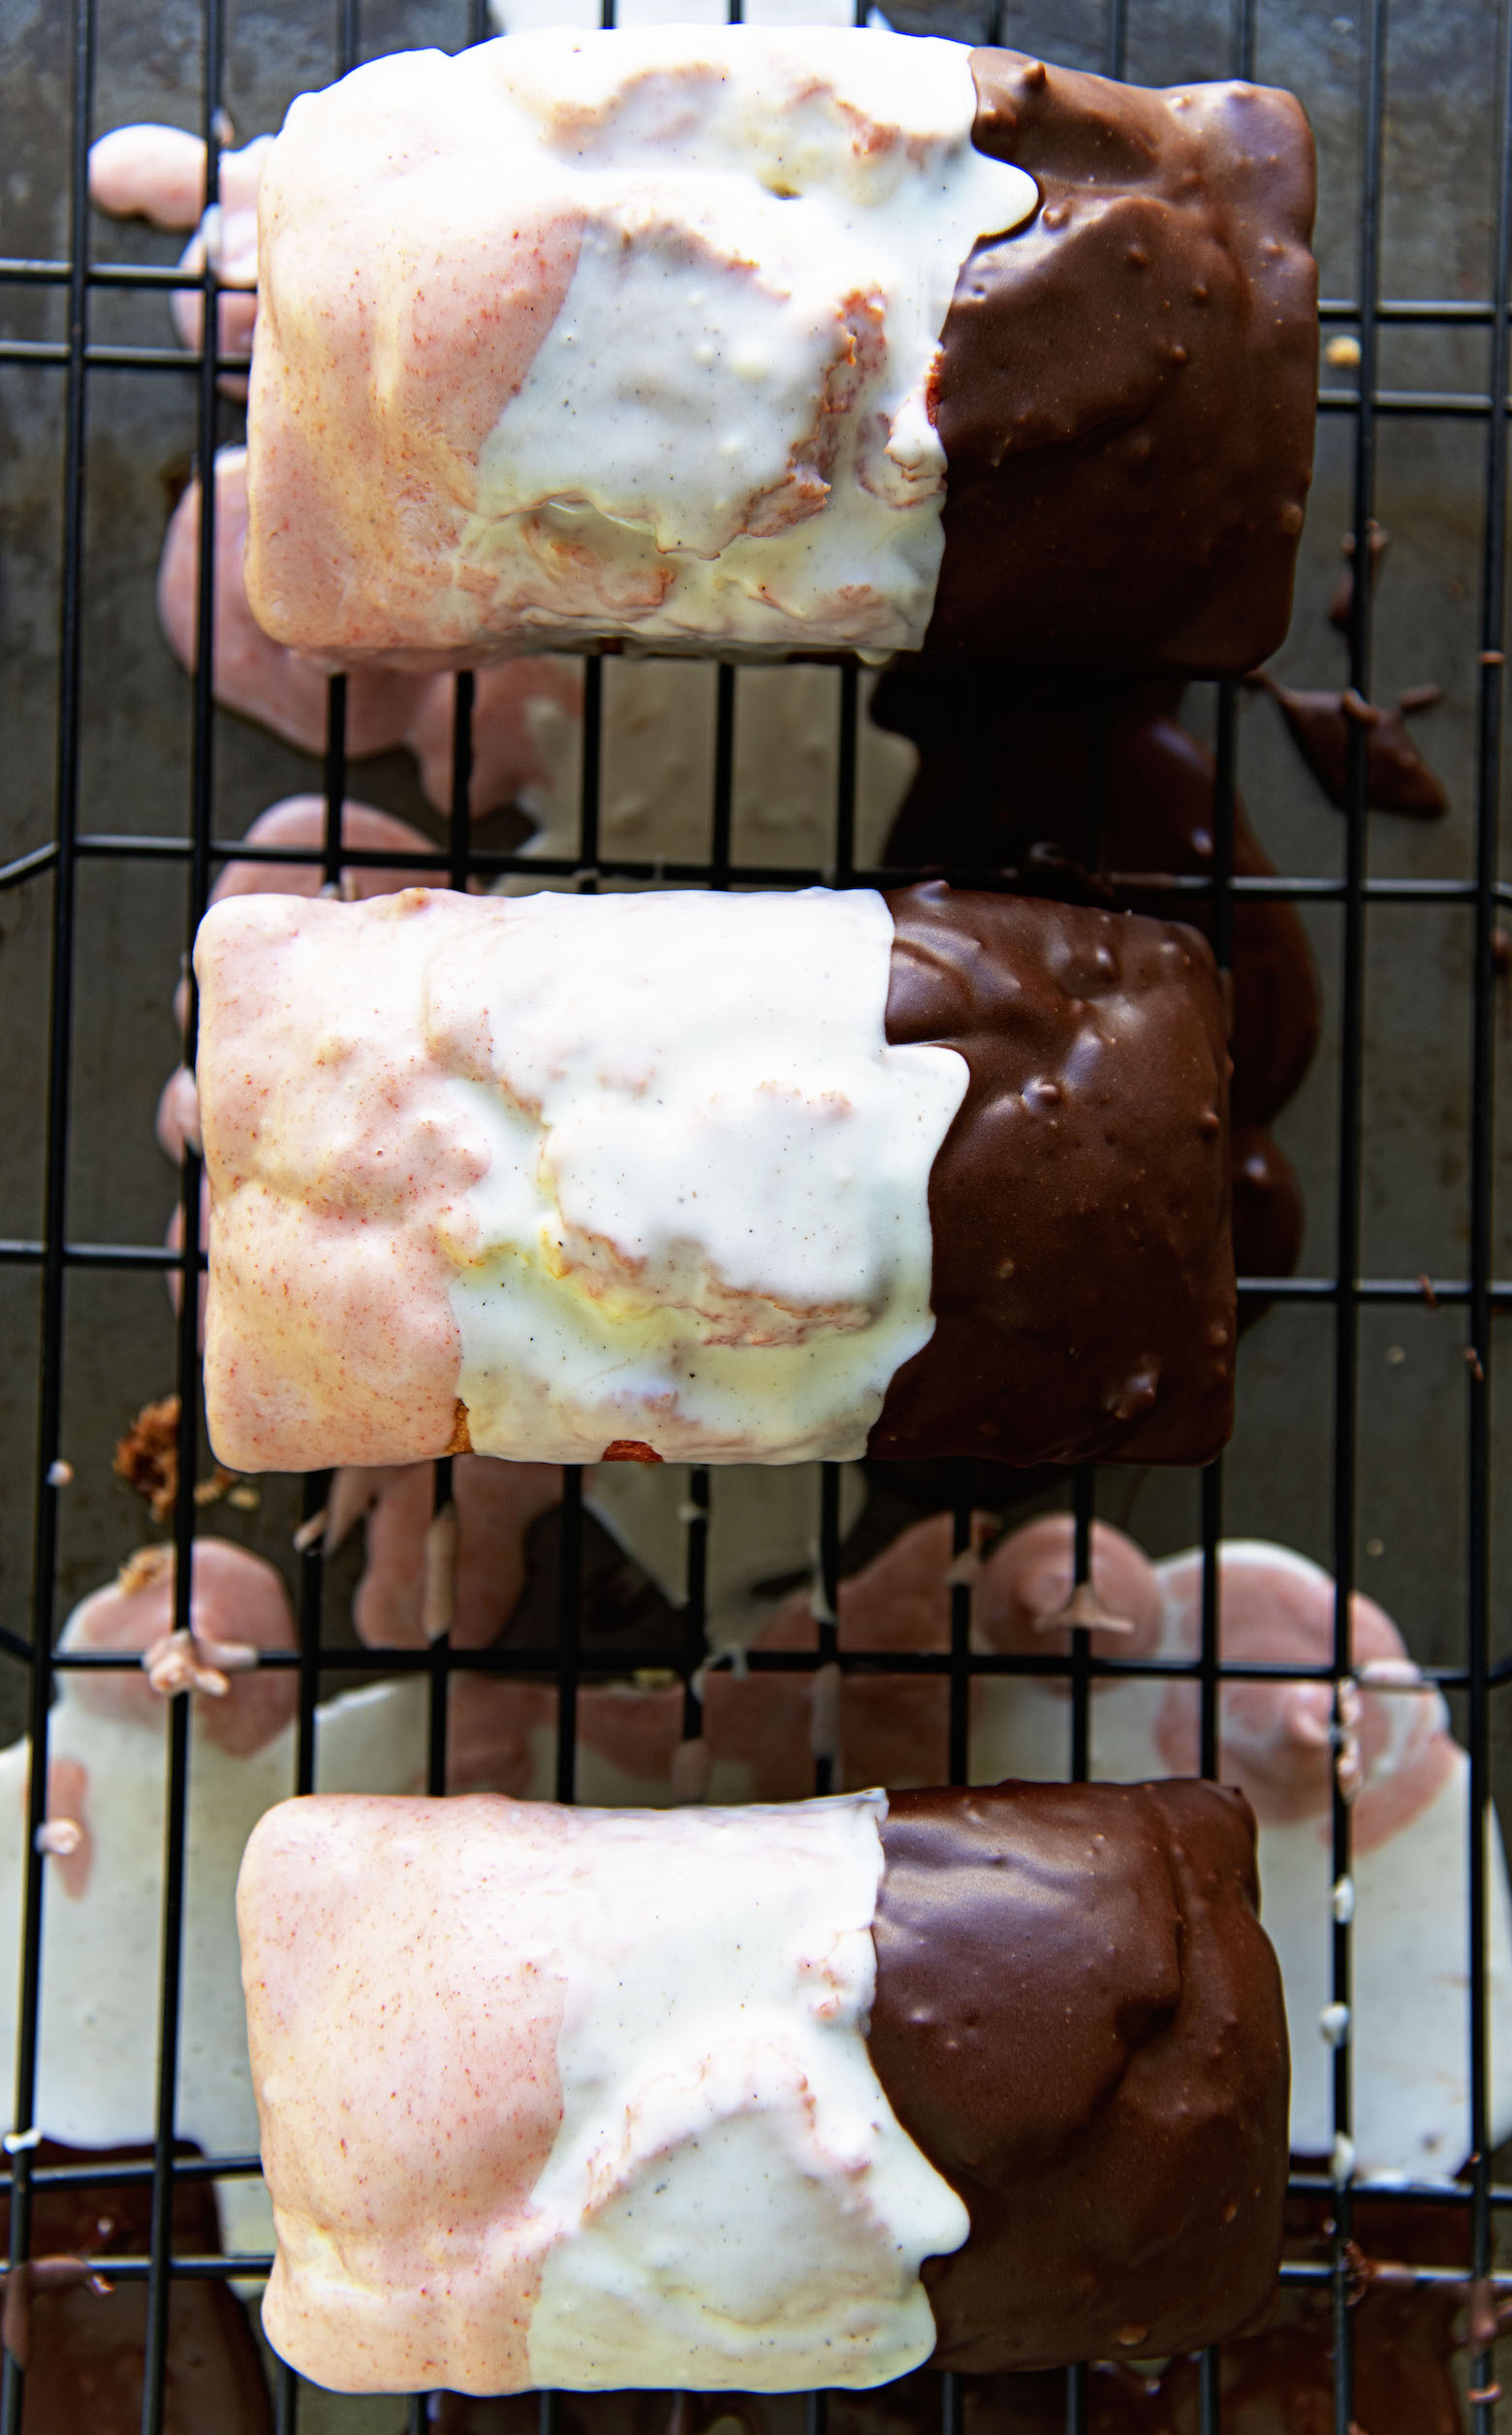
(54, 1254)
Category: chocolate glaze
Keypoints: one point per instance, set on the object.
(1269, 1213)
(1127, 388)
(1125, 789)
(1079, 2021)
(1340, 607)
(85, 2351)
(1397, 777)
(1082, 1283)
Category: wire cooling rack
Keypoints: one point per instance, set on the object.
(1336, 1294)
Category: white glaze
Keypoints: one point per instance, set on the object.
(705, 1223)
(582, 2099)
(735, 2201)
(698, 274)
(1410, 2015)
(598, 1167)
(741, 250)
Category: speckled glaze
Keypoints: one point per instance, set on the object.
(569, 2097)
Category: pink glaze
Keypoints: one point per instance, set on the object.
(298, 820)
(1277, 1744)
(496, 1503)
(287, 691)
(507, 758)
(401, 2193)
(178, 1119)
(894, 1730)
(157, 174)
(174, 1236)
(301, 820)
(335, 1185)
(1029, 1579)
(237, 1598)
(148, 173)
(260, 679)
(71, 1852)
(444, 350)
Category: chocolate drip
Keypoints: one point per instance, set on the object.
(1269, 1213)
(85, 2348)
(1079, 2021)
(1126, 791)
(1126, 387)
(1083, 1285)
(1340, 607)
(1397, 777)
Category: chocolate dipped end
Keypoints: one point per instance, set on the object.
(1082, 1282)
(1079, 2020)
(1127, 386)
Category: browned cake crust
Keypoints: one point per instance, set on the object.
(1127, 392)
(1080, 2021)
(1084, 1275)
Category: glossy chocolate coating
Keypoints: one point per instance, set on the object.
(83, 2374)
(1077, 786)
(1079, 2021)
(1083, 1285)
(1127, 388)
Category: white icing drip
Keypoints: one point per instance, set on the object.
(733, 2200)
(705, 1223)
(725, 429)
(1409, 1980)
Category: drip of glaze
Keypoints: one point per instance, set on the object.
(1398, 778)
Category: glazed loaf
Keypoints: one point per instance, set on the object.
(762, 2098)
(758, 341)
(712, 1178)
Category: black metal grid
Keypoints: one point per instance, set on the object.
(54, 1256)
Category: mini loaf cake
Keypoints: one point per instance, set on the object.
(762, 2098)
(741, 339)
(712, 1178)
